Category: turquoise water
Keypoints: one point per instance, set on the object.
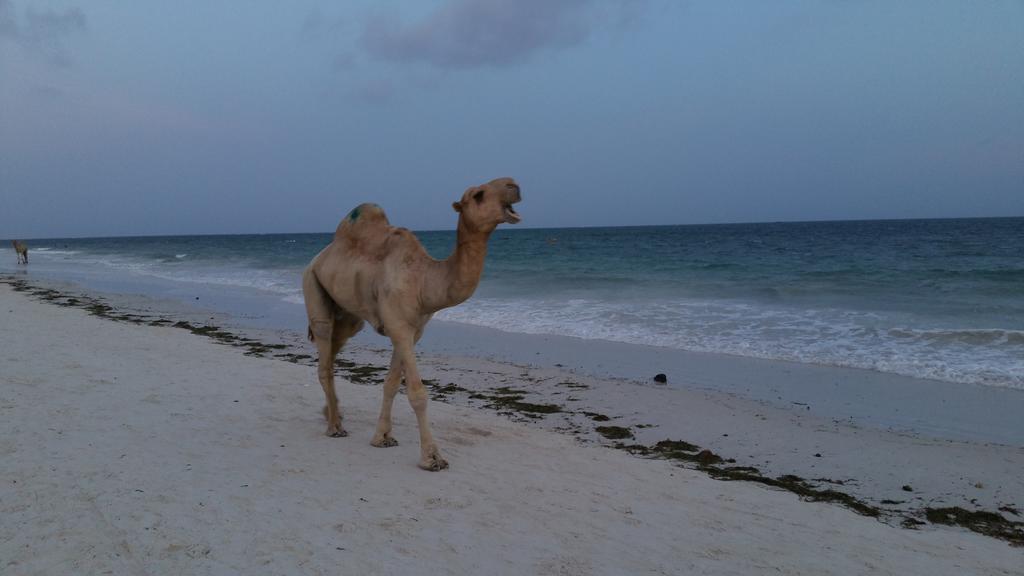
(931, 298)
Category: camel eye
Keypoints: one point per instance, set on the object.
(479, 196)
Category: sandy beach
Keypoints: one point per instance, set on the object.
(724, 288)
(137, 449)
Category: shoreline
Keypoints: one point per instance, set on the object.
(917, 406)
(895, 344)
(725, 435)
(862, 397)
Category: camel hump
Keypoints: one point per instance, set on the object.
(365, 219)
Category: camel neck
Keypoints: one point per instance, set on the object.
(466, 263)
(458, 276)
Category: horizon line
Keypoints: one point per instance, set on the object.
(512, 229)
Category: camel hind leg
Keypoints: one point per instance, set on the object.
(382, 436)
(329, 328)
(345, 326)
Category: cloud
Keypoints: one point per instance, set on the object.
(463, 34)
(42, 33)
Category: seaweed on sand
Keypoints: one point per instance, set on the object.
(614, 432)
(712, 464)
(980, 521)
(509, 399)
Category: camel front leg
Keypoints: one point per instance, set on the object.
(430, 457)
(382, 436)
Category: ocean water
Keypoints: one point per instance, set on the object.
(940, 299)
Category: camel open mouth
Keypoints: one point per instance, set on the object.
(511, 216)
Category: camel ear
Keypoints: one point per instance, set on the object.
(457, 206)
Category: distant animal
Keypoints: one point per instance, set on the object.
(21, 250)
(374, 272)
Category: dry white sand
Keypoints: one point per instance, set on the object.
(144, 450)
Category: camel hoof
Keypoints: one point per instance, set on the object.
(385, 442)
(434, 464)
(337, 433)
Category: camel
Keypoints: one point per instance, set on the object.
(374, 272)
(21, 250)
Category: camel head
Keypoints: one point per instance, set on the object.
(485, 206)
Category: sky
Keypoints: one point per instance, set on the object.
(200, 117)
